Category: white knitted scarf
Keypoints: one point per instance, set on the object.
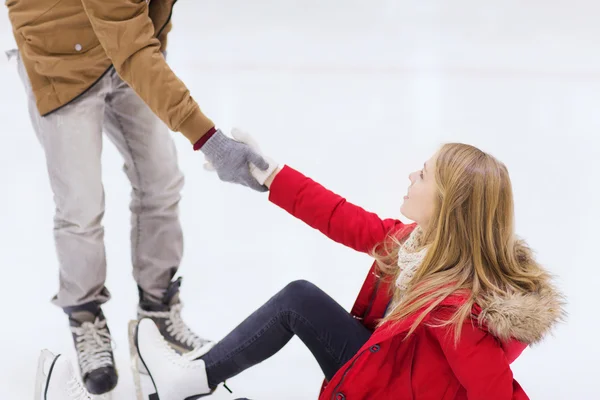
(409, 260)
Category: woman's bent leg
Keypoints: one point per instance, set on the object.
(330, 332)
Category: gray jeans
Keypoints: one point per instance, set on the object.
(72, 141)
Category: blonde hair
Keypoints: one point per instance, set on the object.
(472, 247)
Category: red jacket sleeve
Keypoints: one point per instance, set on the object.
(331, 214)
(479, 364)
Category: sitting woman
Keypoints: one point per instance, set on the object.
(450, 302)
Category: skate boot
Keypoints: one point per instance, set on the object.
(175, 377)
(166, 314)
(56, 380)
(94, 349)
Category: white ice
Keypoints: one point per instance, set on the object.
(355, 94)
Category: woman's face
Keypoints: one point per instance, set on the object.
(419, 202)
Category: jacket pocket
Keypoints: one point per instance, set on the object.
(63, 30)
(77, 40)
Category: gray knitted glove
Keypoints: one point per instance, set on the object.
(231, 160)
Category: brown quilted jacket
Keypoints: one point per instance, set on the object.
(68, 45)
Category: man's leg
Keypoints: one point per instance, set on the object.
(72, 141)
(330, 333)
(156, 235)
(151, 166)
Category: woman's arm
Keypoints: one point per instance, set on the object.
(328, 212)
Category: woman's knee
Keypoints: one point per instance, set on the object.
(299, 292)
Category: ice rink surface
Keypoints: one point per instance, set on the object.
(356, 95)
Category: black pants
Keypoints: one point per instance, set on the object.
(302, 309)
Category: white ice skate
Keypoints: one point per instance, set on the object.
(56, 379)
(175, 377)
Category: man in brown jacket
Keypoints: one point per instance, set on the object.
(94, 65)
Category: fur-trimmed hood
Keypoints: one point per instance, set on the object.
(527, 317)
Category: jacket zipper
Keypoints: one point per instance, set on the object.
(372, 300)
(335, 389)
(109, 68)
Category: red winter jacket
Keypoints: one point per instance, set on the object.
(427, 365)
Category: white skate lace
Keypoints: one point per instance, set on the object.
(93, 343)
(76, 391)
(176, 327)
(188, 360)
